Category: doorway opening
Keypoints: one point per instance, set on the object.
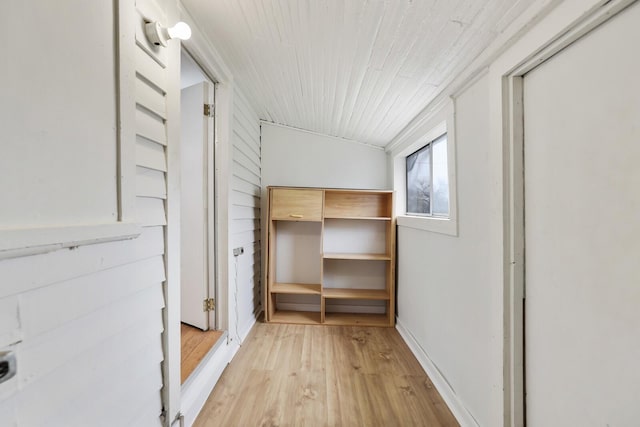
(198, 314)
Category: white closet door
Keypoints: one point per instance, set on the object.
(582, 219)
(196, 156)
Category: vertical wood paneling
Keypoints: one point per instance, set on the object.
(245, 207)
(357, 69)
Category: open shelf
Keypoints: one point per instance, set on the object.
(374, 218)
(356, 319)
(374, 257)
(338, 293)
(330, 253)
(341, 203)
(296, 317)
(295, 288)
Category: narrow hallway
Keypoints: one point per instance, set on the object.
(324, 376)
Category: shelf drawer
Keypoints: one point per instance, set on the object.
(296, 205)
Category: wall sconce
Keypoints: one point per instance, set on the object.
(159, 35)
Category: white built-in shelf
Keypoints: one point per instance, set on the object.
(339, 293)
(295, 288)
(374, 257)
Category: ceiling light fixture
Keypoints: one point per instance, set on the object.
(159, 35)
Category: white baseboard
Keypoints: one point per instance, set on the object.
(448, 395)
(197, 388)
(244, 332)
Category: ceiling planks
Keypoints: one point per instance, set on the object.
(356, 69)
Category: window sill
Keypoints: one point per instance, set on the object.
(447, 226)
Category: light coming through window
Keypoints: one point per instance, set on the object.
(428, 180)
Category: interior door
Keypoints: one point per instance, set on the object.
(197, 224)
(582, 220)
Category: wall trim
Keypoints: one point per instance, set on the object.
(199, 385)
(458, 409)
(33, 241)
(244, 333)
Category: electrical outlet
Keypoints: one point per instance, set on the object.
(238, 251)
(7, 365)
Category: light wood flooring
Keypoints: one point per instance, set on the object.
(296, 375)
(195, 344)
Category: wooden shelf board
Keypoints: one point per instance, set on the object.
(357, 319)
(357, 191)
(296, 317)
(374, 218)
(355, 293)
(375, 257)
(296, 288)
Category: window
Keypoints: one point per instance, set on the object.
(424, 174)
(427, 180)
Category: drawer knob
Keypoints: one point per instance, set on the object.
(295, 215)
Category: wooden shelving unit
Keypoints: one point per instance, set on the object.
(356, 227)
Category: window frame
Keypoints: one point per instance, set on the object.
(430, 144)
(441, 122)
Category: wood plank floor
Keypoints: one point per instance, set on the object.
(296, 375)
(195, 344)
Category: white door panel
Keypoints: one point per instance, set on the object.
(196, 203)
(582, 222)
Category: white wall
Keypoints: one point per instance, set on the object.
(292, 157)
(445, 296)
(453, 292)
(87, 322)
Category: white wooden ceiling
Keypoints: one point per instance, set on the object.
(357, 69)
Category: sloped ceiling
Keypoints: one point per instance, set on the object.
(356, 69)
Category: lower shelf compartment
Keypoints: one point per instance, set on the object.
(333, 319)
(357, 319)
(296, 317)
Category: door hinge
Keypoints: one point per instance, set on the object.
(209, 110)
(209, 304)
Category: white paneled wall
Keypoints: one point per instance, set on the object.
(86, 322)
(245, 211)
